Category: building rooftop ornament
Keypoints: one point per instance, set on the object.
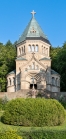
(33, 13)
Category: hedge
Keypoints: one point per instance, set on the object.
(9, 135)
(33, 134)
(34, 112)
(41, 134)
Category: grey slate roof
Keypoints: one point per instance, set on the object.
(20, 58)
(54, 72)
(45, 58)
(12, 72)
(28, 31)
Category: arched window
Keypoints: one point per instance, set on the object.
(29, 67)
(33, 65)
(25, 69)
(53, 81)
(37, 67)
(13, 80)
(59, 82)
(24, 48)
(36, 48)
(9, 81)
(44, 50)
(33, 48)
(56, 82)
(19, 51)
(29, 48)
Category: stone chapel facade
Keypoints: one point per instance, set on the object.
(33, 62)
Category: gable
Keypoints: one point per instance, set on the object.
(33, 64)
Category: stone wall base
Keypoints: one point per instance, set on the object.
(32, 94)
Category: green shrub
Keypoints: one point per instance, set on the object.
(34, 112)
(9, 135)
(1, 105)
(62, 100)
(3, 102)
(5, 99)
(43, 134)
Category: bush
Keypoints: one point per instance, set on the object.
(3, 102)
(34, 112)
(43, 134)
(1, 105)
(9, 135)
(5, 99)
(62, 100)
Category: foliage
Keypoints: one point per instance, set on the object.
(62, 100)
(34, 112)
(44, 134)
(7, 62)
(53, 132)
(3, 102)
(33, 134)
(58, 56)
(9, 135)
(39, 95)
(5, 99)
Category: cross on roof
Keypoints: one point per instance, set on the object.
(33, 13)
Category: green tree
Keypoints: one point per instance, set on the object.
(7, 62)
(58, 56)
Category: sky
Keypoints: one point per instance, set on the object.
(50, 14)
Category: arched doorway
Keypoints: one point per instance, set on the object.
(33, 85)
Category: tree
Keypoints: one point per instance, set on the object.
(58, 56)
(7, 62)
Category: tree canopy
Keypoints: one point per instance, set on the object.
(58, 56)
(7, 62)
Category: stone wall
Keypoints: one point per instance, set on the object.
(28, 93)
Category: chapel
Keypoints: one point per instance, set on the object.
(33, 62)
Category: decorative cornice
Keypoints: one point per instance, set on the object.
(39, 38)
(23, 42)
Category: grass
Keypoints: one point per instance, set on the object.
(6, 127)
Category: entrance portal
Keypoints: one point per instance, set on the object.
(31, 86)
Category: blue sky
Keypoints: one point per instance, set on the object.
(50, 14)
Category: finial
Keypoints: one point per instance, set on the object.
(33, 13)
